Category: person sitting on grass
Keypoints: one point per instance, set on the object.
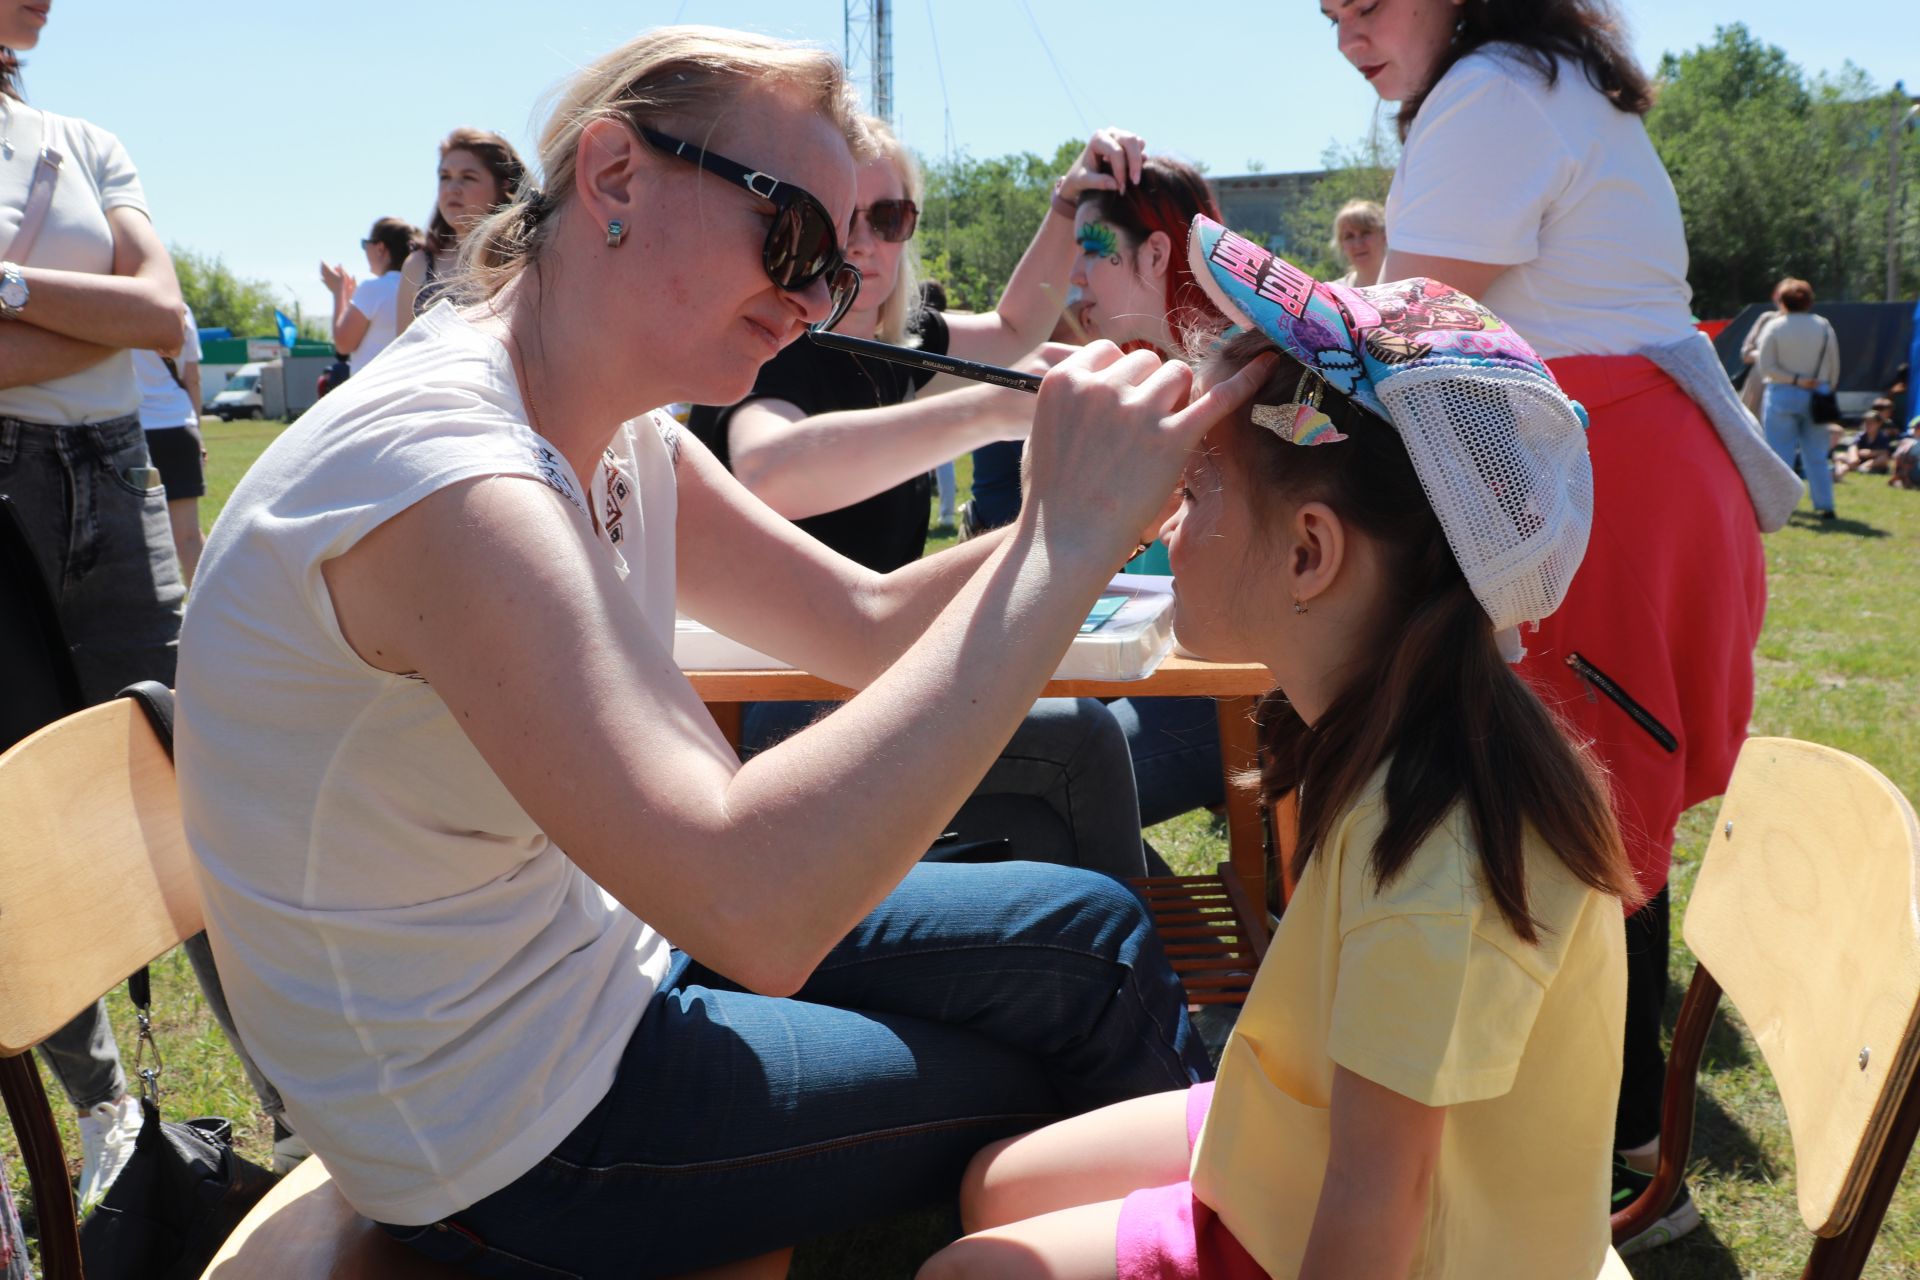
(1449, 980)
(1872, 450)
(550, 980)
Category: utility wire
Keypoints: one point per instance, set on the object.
(946, 107)
(1073, 99)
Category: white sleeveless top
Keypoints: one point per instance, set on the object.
(438, 992)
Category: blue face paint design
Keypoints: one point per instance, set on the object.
(1100, 240)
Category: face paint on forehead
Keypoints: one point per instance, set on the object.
(1100, 240)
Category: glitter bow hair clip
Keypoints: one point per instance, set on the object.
(1301, 420)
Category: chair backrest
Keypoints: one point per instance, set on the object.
(95, 877)
(1807, 912)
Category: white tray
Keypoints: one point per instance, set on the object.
(1127, 645)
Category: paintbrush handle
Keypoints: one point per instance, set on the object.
(929, 360)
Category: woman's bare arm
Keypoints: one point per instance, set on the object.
(137, 307)
(30, 355)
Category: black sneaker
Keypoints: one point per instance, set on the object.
(1681, 1216)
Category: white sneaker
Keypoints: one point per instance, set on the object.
(107, 1134)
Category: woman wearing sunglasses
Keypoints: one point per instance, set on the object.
(366, 314)
(845, 445)
(450, 798)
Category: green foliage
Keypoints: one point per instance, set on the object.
(222, 299)
(980, 215)
(1358, 171)
(1779, 175)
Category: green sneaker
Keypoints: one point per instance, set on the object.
(1681, 1216)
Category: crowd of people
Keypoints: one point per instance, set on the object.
(553, 980)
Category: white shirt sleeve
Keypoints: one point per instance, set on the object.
(190, 350)
(1482, 167)
(115, 177)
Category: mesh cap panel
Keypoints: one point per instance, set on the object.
(1503, 459)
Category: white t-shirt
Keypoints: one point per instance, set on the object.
(95, 177)
(440, 994)
(376, 299)
(1559, 186)
(164, 402)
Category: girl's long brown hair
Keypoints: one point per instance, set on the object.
(1431, 693)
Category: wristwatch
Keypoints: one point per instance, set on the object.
(13, 290)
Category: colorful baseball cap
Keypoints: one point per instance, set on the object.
(1499, 448)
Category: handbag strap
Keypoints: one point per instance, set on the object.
(39, 199)
(1820, 361)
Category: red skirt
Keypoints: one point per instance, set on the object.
(1651, 655)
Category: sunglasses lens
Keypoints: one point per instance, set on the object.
(801, 244)
(841, 290)
(894, 220)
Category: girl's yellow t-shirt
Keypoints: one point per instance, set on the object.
(1422, 987)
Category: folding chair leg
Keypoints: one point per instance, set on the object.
(46, 1164)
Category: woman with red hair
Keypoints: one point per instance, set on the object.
(1131, 283)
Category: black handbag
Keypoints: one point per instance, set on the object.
(1825, 405)
(180, 1195)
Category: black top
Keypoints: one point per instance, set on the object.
(889, 529)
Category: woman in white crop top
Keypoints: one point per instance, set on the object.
(551, 982)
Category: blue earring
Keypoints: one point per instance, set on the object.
(616, 232)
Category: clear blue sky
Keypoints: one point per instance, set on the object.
(274, 134)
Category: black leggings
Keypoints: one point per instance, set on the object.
(1644, 1070)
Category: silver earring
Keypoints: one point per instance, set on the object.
(616, 232)
(1298, 607)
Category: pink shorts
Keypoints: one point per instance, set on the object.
(1167, 1234)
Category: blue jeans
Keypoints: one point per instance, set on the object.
(104, 547)
(973, 1003)
(1175, 744)
(1061, 792)
(1790, 426)
(996, 483)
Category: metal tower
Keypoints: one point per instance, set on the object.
(869, 42)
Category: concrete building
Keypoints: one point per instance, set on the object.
(1257, 203)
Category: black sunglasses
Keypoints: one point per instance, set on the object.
(801, 244)
(891, 220)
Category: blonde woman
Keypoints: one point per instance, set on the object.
(444, 904)
(1360, 238)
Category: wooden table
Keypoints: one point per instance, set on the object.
(1234, 686)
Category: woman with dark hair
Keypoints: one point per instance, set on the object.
(1132, 285)
(366, 316)
(1797, 356)
(1527, 180)
(479, 172)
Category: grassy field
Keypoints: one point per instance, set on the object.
(1839, 663)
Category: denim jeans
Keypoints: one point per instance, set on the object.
(1785, 412)
(996, 483)
(96, 517)
(1061, 792)
(973, 1003)
(1175, 743)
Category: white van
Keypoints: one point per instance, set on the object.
(244, 397)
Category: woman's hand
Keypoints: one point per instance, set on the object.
(339, 281)
(1111, 433)
(1110, 162)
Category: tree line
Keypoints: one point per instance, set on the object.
(1778, 173)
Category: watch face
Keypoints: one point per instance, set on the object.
(13, 292)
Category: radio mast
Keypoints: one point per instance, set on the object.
(869, 44)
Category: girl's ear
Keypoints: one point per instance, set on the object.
(1319, 551)
(1155, 258)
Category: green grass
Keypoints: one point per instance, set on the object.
(1839, 663)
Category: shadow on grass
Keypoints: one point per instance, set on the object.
(1813, 524)
(1702, 1255)
(1722, 1147)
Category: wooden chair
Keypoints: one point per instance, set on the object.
(95, 881)
(1806, 913)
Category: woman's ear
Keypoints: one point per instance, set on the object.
(607, 159)
(1155, 258)
(1319, 551)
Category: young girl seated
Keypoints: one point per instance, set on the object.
(1422, 1082)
